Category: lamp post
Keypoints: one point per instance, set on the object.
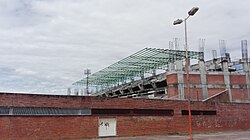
(176, 22)
(87, 72)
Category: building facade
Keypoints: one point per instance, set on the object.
(30, 116)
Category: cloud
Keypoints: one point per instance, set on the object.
(46, 44)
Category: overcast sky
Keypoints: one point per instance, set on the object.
(46, 44)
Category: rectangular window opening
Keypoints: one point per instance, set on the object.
(199, 112)
(133, 112)
(41, 111)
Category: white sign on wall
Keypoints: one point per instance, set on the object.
(107, 127)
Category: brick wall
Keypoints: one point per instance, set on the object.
(230, 116)
(215, 85)
(64, 127)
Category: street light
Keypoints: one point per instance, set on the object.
(176, 22)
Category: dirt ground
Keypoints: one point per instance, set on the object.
(232, 135)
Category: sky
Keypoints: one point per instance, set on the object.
(45, 45)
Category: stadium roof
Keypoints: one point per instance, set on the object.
(137, 64)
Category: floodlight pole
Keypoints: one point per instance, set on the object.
(188, 82)
(87, 72)
(87, 87)
(179, 21)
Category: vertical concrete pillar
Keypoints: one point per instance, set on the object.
(141, 87)
(142, 76)
(153, 72)
(153, 85)
(180, 78)
(227, 78)
(132, 80)
(69, 91)
(76, 91)
(246, 70)
(81, 92)
(171, 67)
(203, 77)
(121, 91)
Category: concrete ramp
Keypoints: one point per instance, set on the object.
(222, 97)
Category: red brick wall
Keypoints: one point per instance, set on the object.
(212, 79)
(64, 127)
(215, 79)
(222, 97)
(229, 117)
(213, 91)
(172, 78)
(239, 94)
(237, 79)
(193, 78)
(173, 92)
(196, 93)
(143, 125)
(233, 116)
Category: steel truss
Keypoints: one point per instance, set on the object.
(135, 65)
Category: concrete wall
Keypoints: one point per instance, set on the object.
(229, 116)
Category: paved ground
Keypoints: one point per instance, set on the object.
(234, 135)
